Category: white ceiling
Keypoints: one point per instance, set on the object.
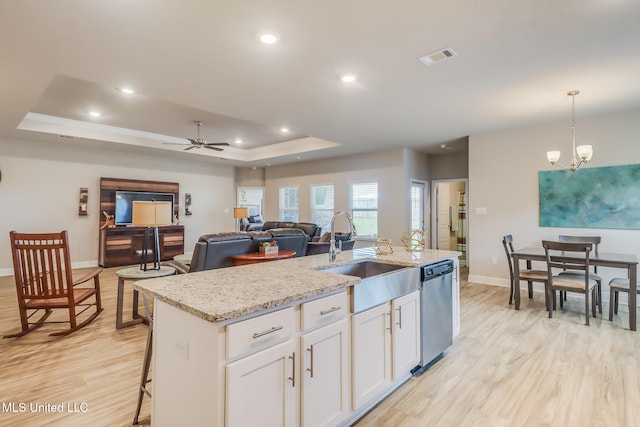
(201, 60)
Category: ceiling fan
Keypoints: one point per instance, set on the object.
(198, 142)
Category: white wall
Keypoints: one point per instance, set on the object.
(40, 186)
(503, 178)
(389, 168)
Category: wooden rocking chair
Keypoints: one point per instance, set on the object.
(42, 270)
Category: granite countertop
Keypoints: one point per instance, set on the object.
(226, 293)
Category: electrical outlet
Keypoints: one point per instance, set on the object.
(494, 260)
(182, 347)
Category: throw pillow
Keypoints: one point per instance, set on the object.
(325, 237)
(255, 219)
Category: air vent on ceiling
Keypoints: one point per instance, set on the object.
(438, 56)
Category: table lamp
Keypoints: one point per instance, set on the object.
(240, 213)
(150, 215)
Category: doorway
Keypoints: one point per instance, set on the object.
(449, 222)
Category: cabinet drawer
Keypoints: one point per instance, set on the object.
(260, 332)
(324, 310)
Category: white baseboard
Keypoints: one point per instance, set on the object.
(74, 265)
(538, 287)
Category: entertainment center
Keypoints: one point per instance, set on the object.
(120, 244)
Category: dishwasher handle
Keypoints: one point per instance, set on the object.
(433, 271)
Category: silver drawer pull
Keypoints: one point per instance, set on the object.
(263, 333)
(293, 369)
(331, 310)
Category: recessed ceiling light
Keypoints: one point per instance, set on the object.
(348, 78)
(284, 130)
(126, 90)
(268, 38)
(95, 113)
(238, 141)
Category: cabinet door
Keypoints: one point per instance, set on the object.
(325, 375)
(261, 388)
(406, 333)
(371, 361)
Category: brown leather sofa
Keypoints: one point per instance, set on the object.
(215, 250)
(312, 230)
(321, 245)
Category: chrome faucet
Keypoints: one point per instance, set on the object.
(332, 245)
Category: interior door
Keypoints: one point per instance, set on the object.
(443, 220)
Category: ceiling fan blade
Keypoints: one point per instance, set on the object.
(189, 148)
(216, 143)
(213, 148)
(193, 141)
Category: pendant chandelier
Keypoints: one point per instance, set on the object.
(580, 154)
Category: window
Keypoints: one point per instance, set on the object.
(289, 204)
(322, 205)
(364, 208)
(417, 206)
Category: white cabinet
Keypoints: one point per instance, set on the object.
(406, 333)
(386, 346)
(282, 382)
(325, 375)
(371, 353)
(261, 388)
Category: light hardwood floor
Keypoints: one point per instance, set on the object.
(507, 368)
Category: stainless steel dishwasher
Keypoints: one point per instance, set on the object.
(436, 318)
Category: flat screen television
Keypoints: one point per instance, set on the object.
(125, 199)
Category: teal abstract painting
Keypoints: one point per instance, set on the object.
(607, 197)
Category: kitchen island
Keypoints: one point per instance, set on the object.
(274, 343)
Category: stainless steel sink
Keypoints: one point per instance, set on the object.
(364, 269)
(379, 283)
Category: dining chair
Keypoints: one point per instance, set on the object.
(525, 274)
(44, 281)
(595, 240)
(617, 285)
(570, 256)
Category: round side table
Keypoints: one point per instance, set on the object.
(256, 257)
(184, 258)
(134, 273)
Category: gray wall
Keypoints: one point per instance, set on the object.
(503, 178)
(390, 168)
(41, 181)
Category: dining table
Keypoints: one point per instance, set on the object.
(628, 262)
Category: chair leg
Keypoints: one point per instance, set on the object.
(511, 287)
(611, 304)
(599, 290)
(530, 284)
(552, 302)
(616, 301)
(546, 296)
(28, 327)
(144, 378)
(594, 300)
(586, 306)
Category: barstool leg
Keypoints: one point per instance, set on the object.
(144, 378)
